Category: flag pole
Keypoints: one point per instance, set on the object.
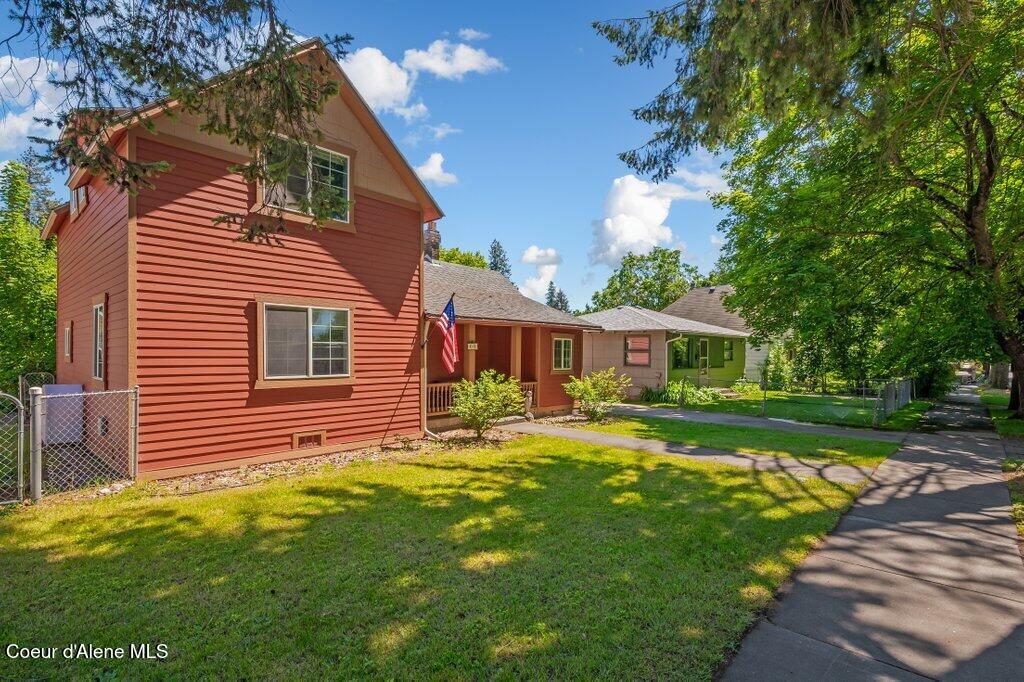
(426, 337)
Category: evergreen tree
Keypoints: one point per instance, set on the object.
(552, 295)
(43, 199)
(28, 284)
(498, 260)
(562, 301)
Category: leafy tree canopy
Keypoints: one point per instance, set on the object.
(473, 259)
(652, 281)
(228, 62)
(875, 195)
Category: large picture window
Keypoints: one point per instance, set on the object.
(303, 342)
(638, 351)
(320, 168)
(562, 354)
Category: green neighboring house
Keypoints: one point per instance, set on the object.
(721, 359)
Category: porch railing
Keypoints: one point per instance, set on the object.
(439, 396)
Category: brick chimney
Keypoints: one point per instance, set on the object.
(432, 241)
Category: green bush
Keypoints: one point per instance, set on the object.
(598, 391)
(778, 368)
(697, 395)
(481, 403)
(747, 388)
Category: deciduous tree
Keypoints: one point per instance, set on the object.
(652, 280)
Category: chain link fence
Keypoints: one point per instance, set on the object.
(83, 439)
(31, 380)
(12, 449)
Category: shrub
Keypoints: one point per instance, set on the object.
(778, 368)
(598, 391)
(481, 403)
(697, 395)
(747, 388)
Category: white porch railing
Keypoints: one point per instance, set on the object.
(439, 396)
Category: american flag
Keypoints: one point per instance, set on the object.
(446, 323)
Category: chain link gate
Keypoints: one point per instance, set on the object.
(83, 439)
(12, 449)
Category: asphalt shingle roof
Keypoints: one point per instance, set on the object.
(627, 318)
(482, 294)
(705, 305)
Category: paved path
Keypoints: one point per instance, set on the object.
(840, 473)
(625, 410)
(922, 578)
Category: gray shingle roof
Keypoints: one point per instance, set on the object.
(705, 305)
(627, 318)
(486, 295)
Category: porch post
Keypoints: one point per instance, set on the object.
(517, 353)
(469, 357)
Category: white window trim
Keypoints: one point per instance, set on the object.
(555, 355)
(309, 183)
(67, 341)
(309, 343)
(99, 341)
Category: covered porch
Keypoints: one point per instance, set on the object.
(511, 349)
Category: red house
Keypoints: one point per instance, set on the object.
(248, 353)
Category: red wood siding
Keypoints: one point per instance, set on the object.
(549, 389)
(92, 259)
(494, 349)
(197, 320)
(436, 372)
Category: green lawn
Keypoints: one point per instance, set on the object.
(1014, 469)
(755, 441)
(817, 409)
(997, 400)
(540, 558)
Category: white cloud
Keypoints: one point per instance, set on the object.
(717, 241)
(384, 84)
(27, 95)
(443, 130)
(471, 34)
(636, 210)
(547, 262)
(450, 61)
(433, 171)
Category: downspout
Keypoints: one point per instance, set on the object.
(668, 366)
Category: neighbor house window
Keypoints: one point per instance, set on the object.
(681, 354)
(562, 360)
(68, 339)
(303, 342)
(321, 168)
(98, 340)
(638, 351)
(727, 349)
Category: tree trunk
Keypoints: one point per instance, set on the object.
(1015, 394)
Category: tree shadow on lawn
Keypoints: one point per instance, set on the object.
(539, 558)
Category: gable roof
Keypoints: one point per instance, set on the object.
(482, 294)
(362, 111)
(627, 318)
(705, 305)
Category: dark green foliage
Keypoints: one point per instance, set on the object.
(652, 281)
(497, 259)
(556, 298)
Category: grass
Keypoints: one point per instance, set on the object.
(752, 440)
(816, 409)
(997, 400)
(538, 558)
(1014, 469)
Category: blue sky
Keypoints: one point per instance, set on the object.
(515, 125)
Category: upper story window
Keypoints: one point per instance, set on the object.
(637, 351)
(320, 168)
(303, 342)
(562, 354)
(79, 199)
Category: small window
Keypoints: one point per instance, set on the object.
(638, 351)
(79, 199)
(306, 342)
(98, 341)
(68, 339)
(681, 354)
(727, 349)
(326, 168)
(562, 360)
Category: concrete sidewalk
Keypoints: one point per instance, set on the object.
(625, 410)
(800, 468)
(923, 577)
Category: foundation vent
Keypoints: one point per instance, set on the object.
(309, 439)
